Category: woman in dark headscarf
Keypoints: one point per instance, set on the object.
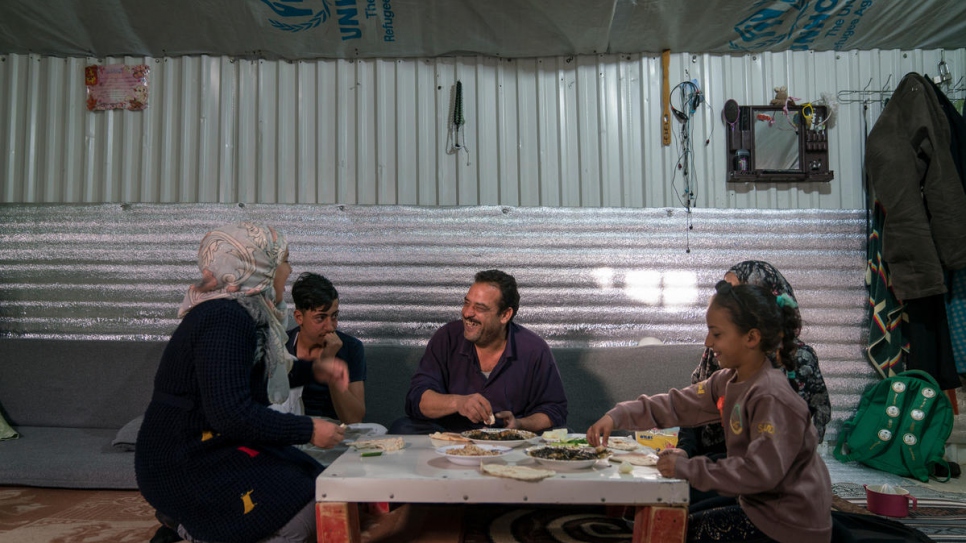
(211, 457)
(806, 379)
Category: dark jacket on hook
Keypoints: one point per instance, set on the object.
(957, 131)
(911, 168)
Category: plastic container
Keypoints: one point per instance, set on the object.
(658, 439)
(741, 159)
(890, 505)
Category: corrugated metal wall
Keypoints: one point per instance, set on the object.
(588, 277)
(558, 132)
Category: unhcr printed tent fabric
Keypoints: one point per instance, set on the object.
(304, 29)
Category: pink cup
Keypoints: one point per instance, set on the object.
(890, 505)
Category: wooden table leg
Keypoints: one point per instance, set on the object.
(656, 524)
(337, 522)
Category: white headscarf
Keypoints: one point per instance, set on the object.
(238, 261)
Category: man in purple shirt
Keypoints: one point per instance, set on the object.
(485, 370)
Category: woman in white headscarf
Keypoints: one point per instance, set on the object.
(211, 457)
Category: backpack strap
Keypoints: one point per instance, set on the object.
(929, 404)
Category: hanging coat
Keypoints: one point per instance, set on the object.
(911, 169)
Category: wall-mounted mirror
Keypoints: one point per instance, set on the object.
(770, 143)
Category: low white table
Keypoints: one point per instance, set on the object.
(417, 474)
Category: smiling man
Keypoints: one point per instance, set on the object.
(485, 369)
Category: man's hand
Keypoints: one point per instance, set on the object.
(474, 407)
(326, 434)
(666, 460)
(599, 432)
(331, 371)
(331, 345)
(509, 421)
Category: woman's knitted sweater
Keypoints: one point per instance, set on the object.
(210, 453)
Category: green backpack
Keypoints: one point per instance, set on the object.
(901, 426)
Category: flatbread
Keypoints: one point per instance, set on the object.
(623, 443)
(450, 436)
(636, 459)
(520, 473)
(388, 444)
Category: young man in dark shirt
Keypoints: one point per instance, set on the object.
(317, 315)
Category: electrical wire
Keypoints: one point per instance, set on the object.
(691, 99)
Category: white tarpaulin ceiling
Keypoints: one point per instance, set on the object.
(306, 29)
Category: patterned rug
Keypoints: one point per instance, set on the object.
(36, 515)
(940, 515)
(543, 524)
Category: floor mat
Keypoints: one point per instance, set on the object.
(940, 515)
(543, 524)
(36, 515)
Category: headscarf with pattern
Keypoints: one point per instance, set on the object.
(763, 274)
(751, 272)
(238, 262)
(807, 379)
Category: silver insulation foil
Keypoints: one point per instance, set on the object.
(593, 277)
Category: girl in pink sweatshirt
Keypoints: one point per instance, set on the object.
(773, 486)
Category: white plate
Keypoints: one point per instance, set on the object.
(562, 464)
(472, 460)
(500, 442)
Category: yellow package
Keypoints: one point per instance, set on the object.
(658, 439)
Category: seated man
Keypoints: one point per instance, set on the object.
(485, 369)
(317, 315)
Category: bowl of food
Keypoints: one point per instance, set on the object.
(472, 454)
(564, 457)
(556, 434)
(494, 436)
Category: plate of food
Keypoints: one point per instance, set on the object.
(472, 454)
(558, 457)
(556, 434)
(495, 436)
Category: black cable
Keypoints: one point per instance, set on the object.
(691, 99)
